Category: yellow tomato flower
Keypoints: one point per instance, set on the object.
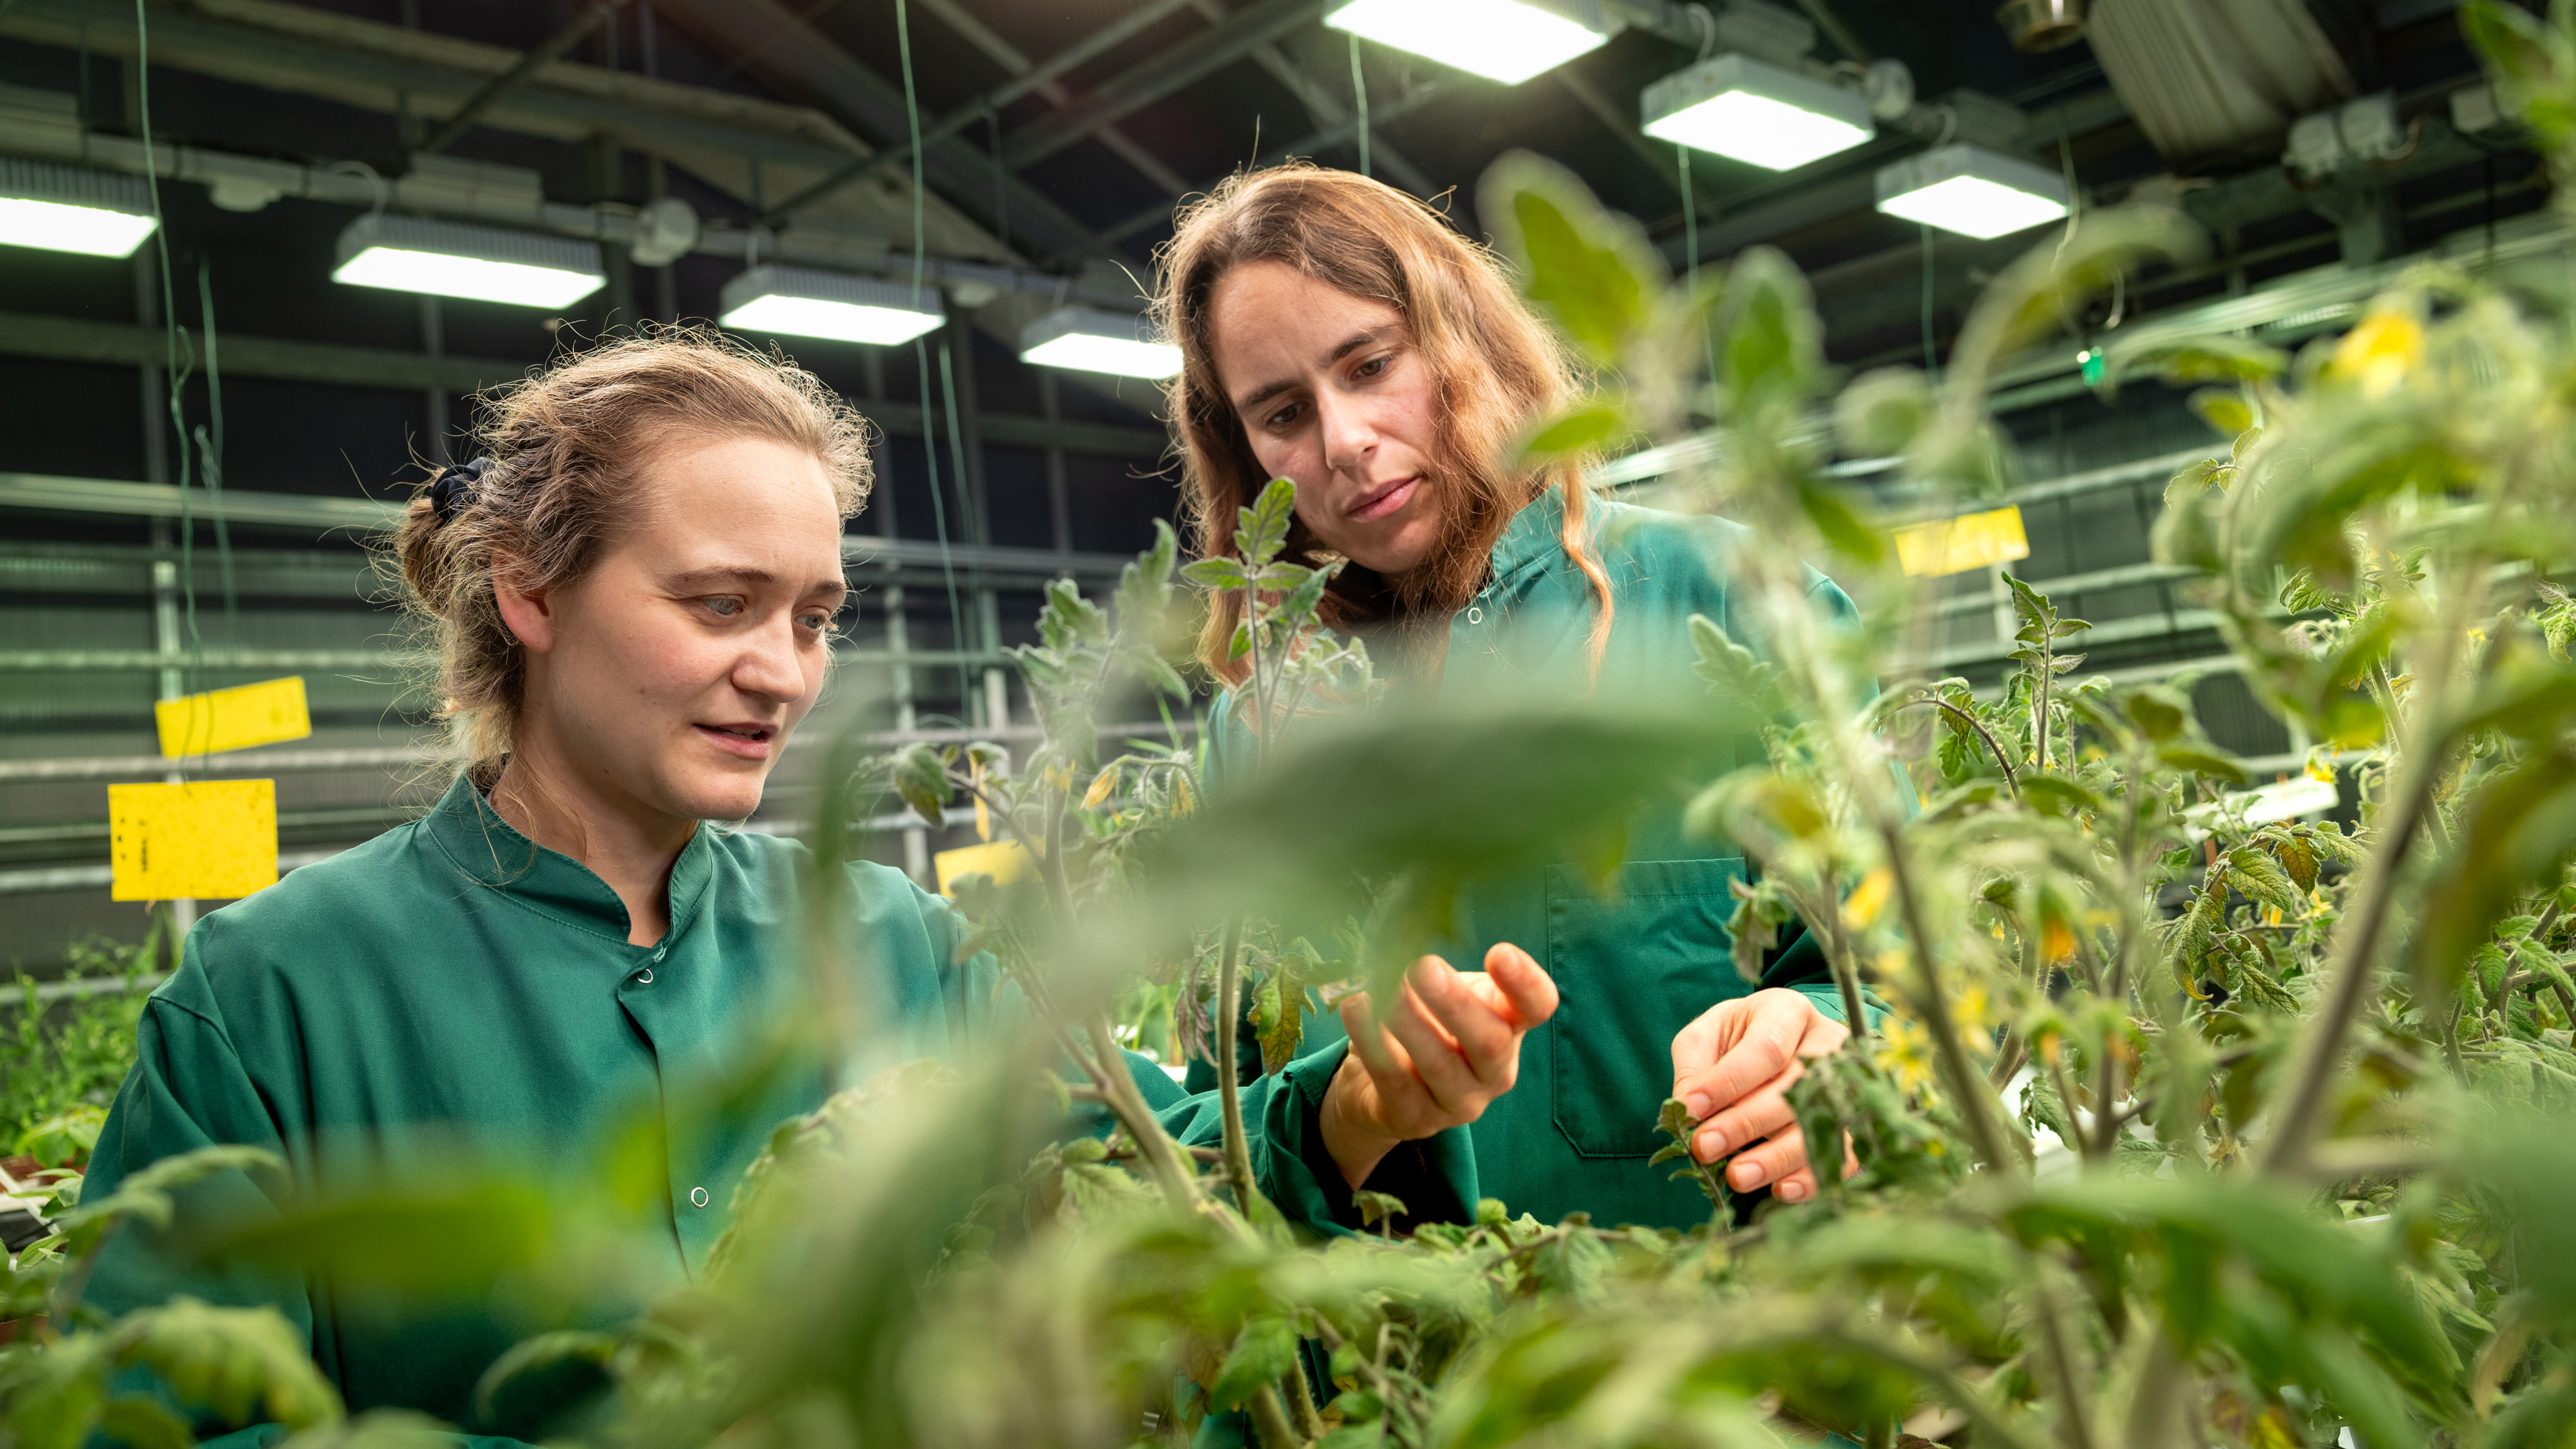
(1868, 898)
(2378, 354)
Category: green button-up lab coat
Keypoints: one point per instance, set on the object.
(449, 989)
(1631, 970)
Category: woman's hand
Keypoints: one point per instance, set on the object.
(1732, 1069)
(1452, 1045)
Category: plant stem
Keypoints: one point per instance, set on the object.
(1964, 1081)
(1994, 747)
(1270, 1417)
(2320, 1048)
(1229, 996)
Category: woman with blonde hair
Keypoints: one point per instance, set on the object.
(1337, 332)
(632, 596)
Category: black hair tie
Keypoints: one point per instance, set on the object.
(453, 492)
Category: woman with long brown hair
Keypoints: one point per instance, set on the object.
(1337, 332)
(632, 596)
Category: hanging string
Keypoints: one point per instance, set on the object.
(175, 368)
(921, 360)
(1931, 357)
(1690, 252)
(1359, 93)
(210, 452)
(1001, 177)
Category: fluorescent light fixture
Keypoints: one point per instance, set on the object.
(802, 302)
(1751, 110)
(1504, 40)
(1087, 339)
(1972, 191)
(477, 263)
(72, 209)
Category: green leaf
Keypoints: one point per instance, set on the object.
(1583, 429)
(1261, 530)
(2224, 409)
(1264, 1353)
(1590, 272)
(1770, 343)
(1831, 512)
(2195, 760)
(1216, 573)
(1882, 412)
(2516, 829)
(2217, 358)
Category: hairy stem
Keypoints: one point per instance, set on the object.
(1994, 747)
(2320, 1049)
(1229, 1009)
(1270, 1417)
(1975, 1101)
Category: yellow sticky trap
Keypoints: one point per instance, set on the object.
(1956, 545)
(234, 719)
(1005, 861)
(215, 839)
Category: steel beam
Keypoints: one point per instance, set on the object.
(1324, 139)
(989, 565)
(768, 37)
(538, 57)
(73, 339)
(1141, 85)
(369, 77)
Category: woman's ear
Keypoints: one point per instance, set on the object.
(527, 613)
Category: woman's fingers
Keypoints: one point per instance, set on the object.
(1750, 1120)
(1527, 990)
(1738, 1046)
(1486, 1043)
(1436, 1059)
(1770, 1162)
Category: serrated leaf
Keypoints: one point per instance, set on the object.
(1583, 429)
(1264, 1352)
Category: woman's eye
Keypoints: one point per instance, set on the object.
(1284, 416)
(816, 622)
(723, 606)
(1371, 368)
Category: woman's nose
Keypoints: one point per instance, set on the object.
(1349, 436)
(769, 667)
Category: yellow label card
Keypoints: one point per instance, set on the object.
(215, 839)
(1956, 545)
(1004, 860)
(234, 719)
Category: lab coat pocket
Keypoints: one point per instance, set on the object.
(1632, 968)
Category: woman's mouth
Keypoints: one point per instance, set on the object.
(1383, 499)
(747, 741)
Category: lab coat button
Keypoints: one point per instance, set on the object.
(697, 1197)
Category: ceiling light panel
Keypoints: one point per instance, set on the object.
(1088, 339)
(476, 263)
(1972, 191)
(1753, 111)
(803, 302)
(72, 209)
(1502, 40)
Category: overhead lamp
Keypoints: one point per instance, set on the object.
(1972, 191)
(803, 302)
(1087, 339)
(1503, 40)
(477, 263)
(72, 209)
(1751, 110)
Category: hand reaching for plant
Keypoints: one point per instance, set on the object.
(1732, 1069)
(1450, 1047)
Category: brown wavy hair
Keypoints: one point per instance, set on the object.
(565, 447)
(1499, 369)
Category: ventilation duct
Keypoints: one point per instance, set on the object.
(2216, 78)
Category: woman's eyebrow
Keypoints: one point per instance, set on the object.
(1267, 391)
(750, 578)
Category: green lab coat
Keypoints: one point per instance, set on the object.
(1576, 1129)
(450, 988)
